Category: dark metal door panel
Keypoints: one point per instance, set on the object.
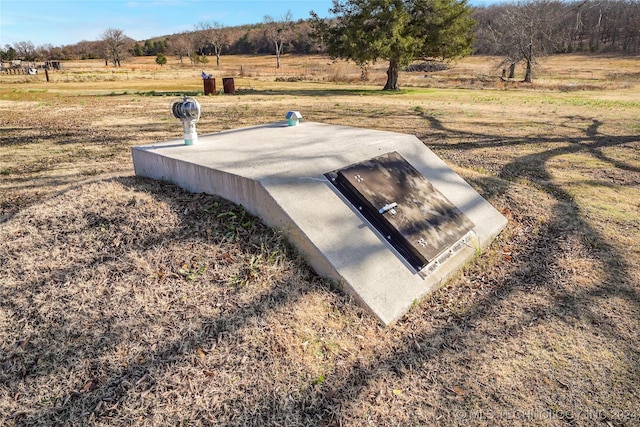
(403, 205)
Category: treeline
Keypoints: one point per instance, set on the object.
(242, 40)
(188, 46)
(611, 26)
(575, 26)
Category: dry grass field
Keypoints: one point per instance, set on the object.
(126, 301)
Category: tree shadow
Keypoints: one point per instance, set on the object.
(332, 401)
(536, 270)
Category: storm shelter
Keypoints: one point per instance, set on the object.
(404, 207)
(377, 212)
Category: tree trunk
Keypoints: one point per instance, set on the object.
(512, 70)
(218, 60)
(529, 58)
(364, 73)
(527, 74)
(278, 49)
(392, 76)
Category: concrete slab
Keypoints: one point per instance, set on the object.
(277, 172)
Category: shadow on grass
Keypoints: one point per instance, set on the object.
(538, 269)
(418, 349)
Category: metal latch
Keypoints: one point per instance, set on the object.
(388, 208)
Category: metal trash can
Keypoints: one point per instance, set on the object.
(209, 86)
(228, 85)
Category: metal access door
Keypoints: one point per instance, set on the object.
(416, 219)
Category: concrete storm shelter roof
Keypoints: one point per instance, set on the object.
(326, 188)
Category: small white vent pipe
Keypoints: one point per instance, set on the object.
(188, 111)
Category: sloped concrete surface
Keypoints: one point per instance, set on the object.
(277, 172)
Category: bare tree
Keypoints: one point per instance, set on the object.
(87, 49)
(577, 26)
(528, 30)
(47, 52)
(25, 50)
(181, 45)
(199, 39)
(115, 45)
(630, 26)
(213, 38)
(278, 31)
(200, 43)
(525, 31)
(609, 25)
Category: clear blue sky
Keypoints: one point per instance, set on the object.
(63, 22)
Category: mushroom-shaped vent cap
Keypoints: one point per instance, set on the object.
(186, 109)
